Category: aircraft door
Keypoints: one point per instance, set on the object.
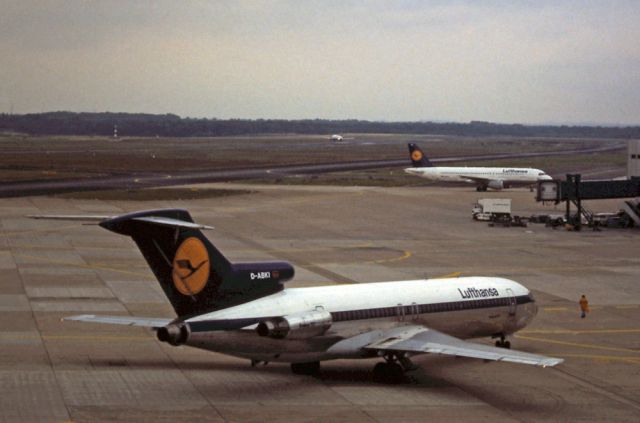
(400, 312)
(512, 302)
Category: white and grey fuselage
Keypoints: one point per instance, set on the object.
(494, 177)
(466, 307)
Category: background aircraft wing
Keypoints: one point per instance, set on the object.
(477, 179)
(149, 322)
(418, 339)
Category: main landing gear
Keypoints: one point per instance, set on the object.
(481, 188)
(392, 369)
(503, 343)
(389, 371)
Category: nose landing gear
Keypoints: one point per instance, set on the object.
(503, 343)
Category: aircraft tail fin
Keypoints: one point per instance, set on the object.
(195, 276)
(418, 158)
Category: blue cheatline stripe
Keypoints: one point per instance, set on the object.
(414, 309)
(370, 313)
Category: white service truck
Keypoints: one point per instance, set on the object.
(492, 209)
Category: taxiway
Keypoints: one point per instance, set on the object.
(60, 371)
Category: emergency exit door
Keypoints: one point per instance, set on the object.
(513, 303)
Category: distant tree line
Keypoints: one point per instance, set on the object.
(170, 125)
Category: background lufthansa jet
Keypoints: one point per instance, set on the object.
(484, 177)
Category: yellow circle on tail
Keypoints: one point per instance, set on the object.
(191, 267)
(416, 156)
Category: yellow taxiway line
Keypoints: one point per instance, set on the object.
(576, 332)
(575, 344)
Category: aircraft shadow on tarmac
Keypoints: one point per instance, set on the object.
(330, 372)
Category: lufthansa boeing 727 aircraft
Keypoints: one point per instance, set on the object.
(484, 177)
(243, 309)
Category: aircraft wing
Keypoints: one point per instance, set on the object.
(149, 322)
(419, 339)
(477, 179)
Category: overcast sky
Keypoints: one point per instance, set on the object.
(512, 62)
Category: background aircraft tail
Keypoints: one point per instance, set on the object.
(418, 159)
(195, 276)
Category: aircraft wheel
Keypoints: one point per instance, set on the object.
(478, 189)
(391, 373)
(395, 373)
(310, 368)
(379, 371)
(502, 343)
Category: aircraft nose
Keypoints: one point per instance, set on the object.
(546, 178)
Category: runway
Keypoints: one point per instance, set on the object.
(147, 180)
(69, 371)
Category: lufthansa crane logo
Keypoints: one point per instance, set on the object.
(416, 156)
(191, 267)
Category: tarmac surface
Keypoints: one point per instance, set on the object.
(53, 371)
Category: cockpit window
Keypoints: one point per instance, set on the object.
(542, 174)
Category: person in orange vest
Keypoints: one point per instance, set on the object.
(584, 306)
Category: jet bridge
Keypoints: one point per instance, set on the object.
(574, 190)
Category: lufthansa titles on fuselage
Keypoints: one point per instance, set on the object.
(478, 293)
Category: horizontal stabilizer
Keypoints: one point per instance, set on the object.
(158, 220)
(149, 322)
(167, 221)
(76, 217)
